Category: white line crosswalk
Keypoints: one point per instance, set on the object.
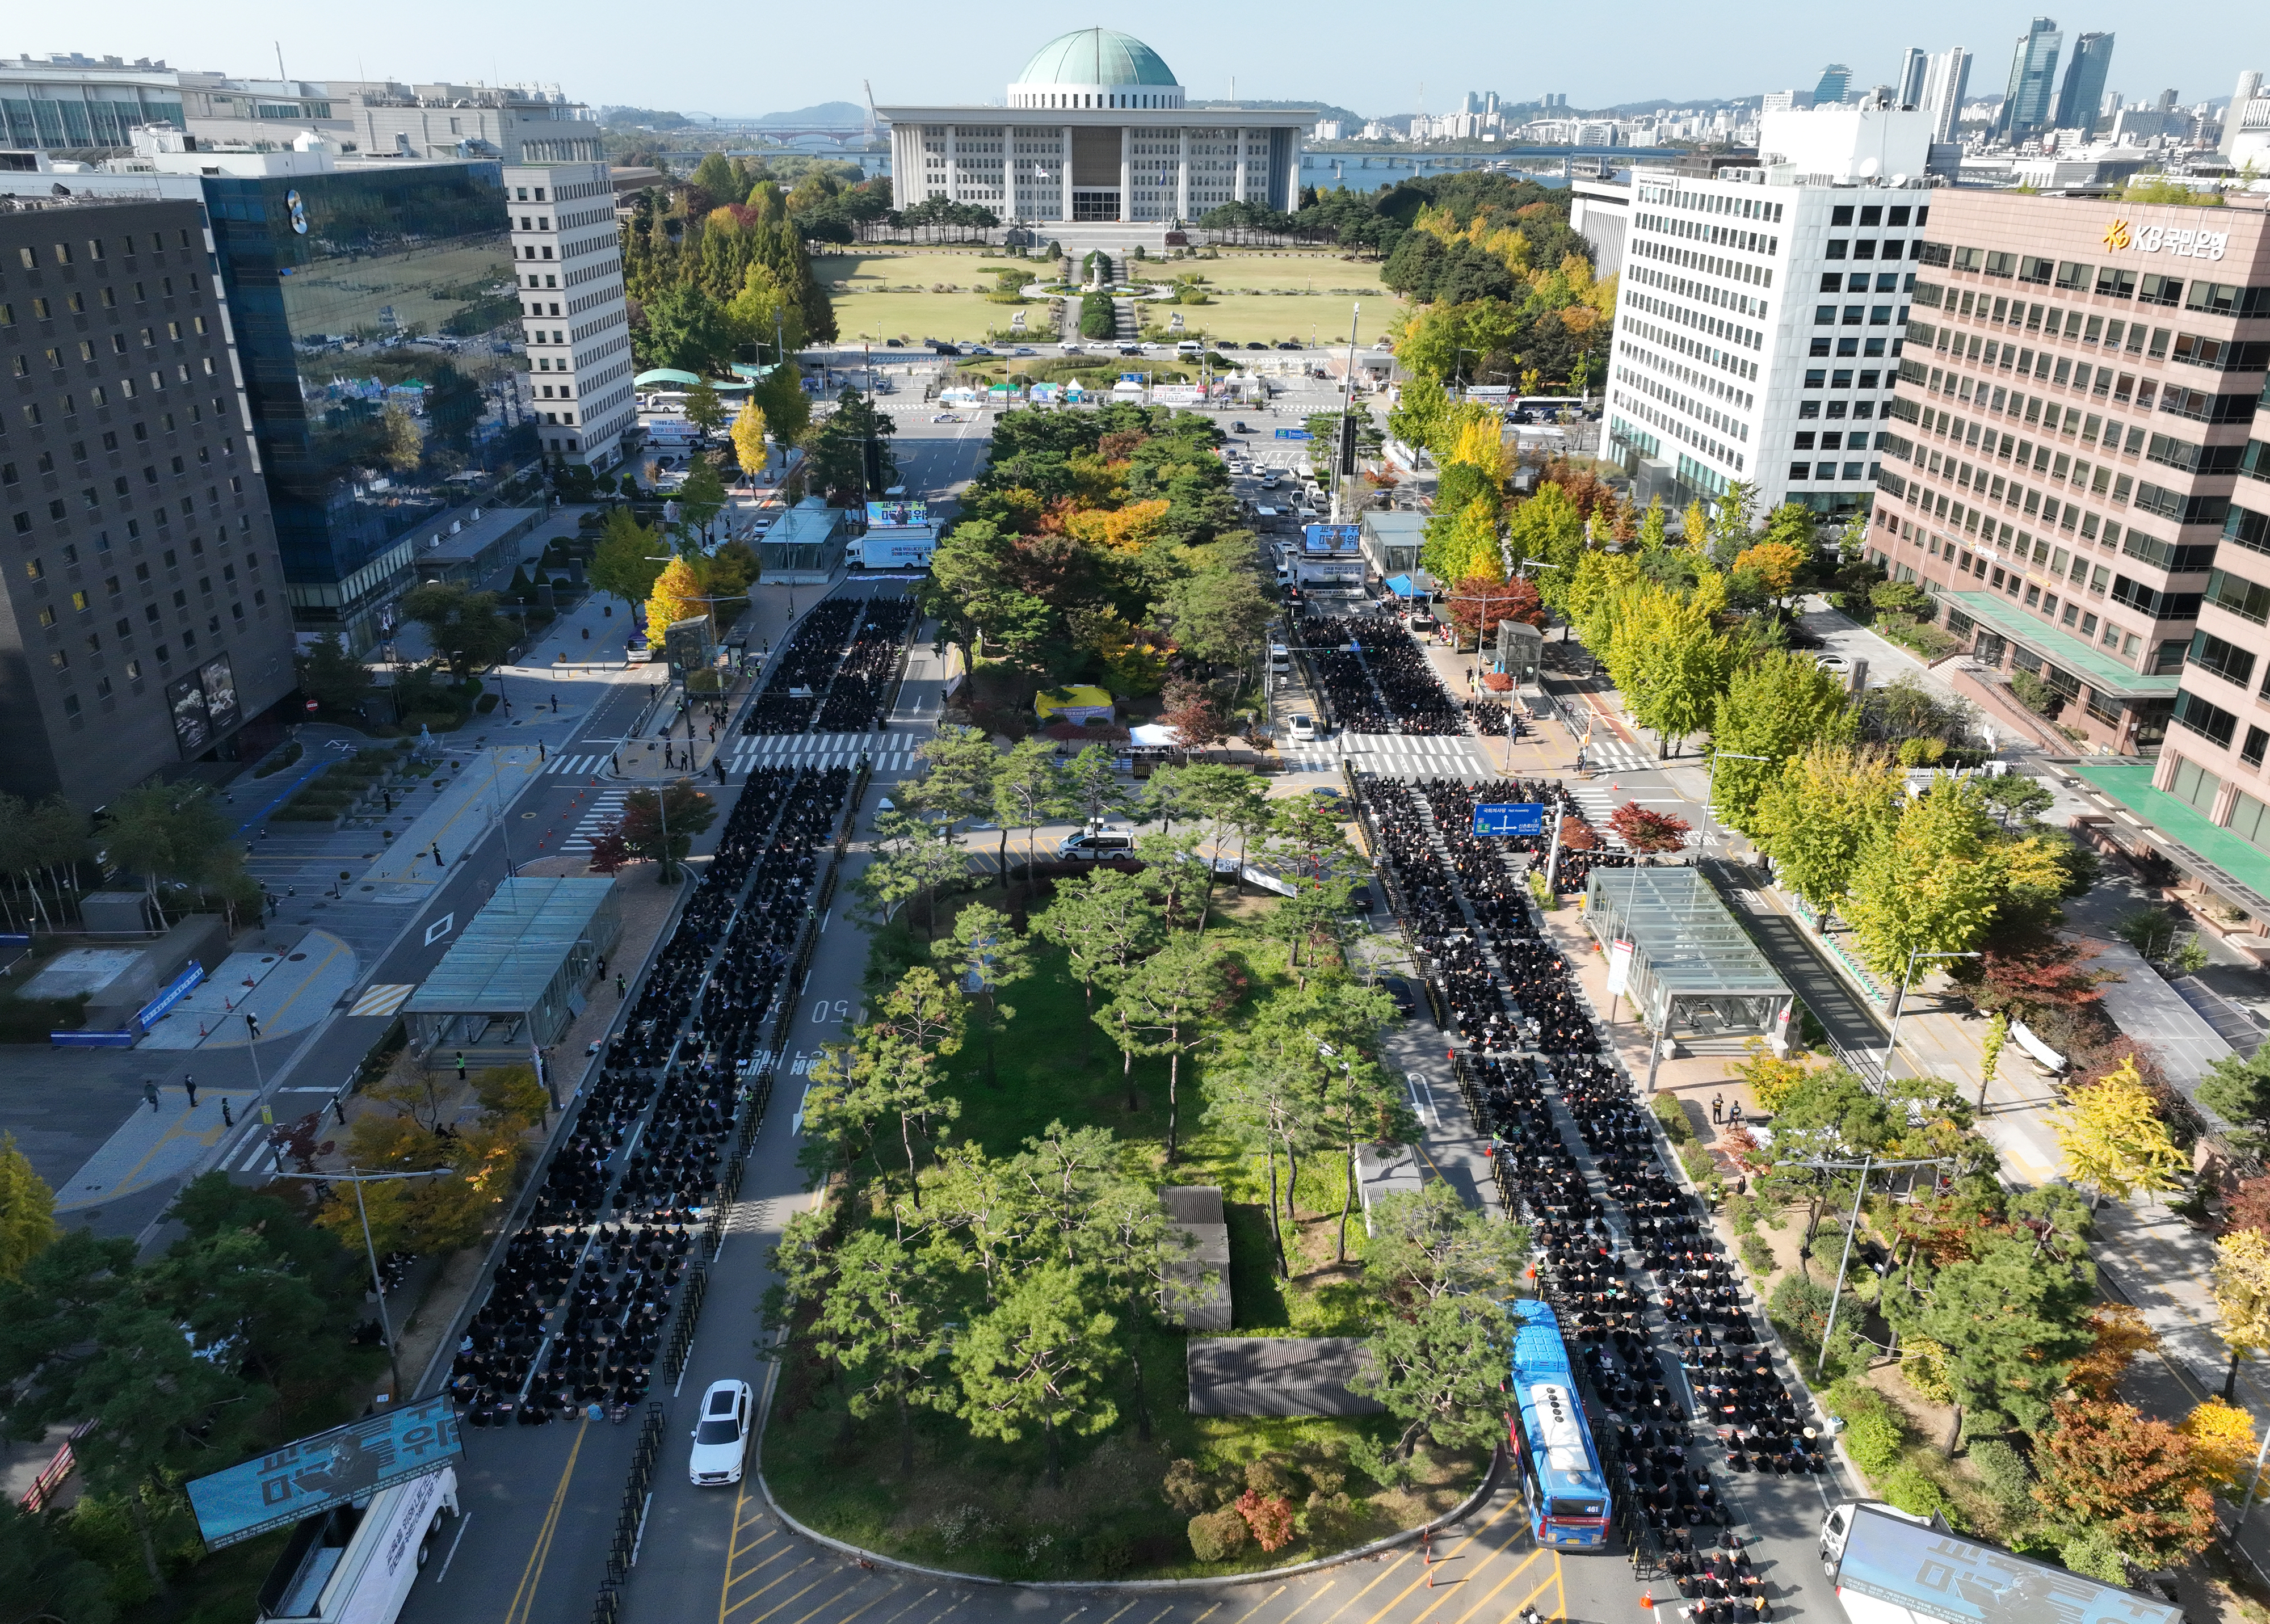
(889, 753)
(606, 808)
(1614, 755)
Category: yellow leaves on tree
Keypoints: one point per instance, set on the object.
(1930, 883)
(1481, 443)
(2114, 1139)
(2121, 1335)
(1776, 564)
(2242, 1295)
(675, 596)
(1772, 1079)
(1127, 529)
(2222, 1443)
(749, 438)
(27, 1210)
(472, 1168)
(1471, 545)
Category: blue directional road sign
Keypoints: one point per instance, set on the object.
(1293, 433)
(1509, 818)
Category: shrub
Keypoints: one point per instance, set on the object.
(1268, 1477)
(1698, 1162)
(1668, 1111)
(1912, 1489)
(1757, 1255)
(1327, 1517)
(1924, 1367)
(1799, 1306)
(1270, 1516)
(1216, 1535)
(2008, 1478)
(1874, 1440)
(2092, 1554)
(486, 703)
(1186, 1488)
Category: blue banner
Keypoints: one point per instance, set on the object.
(1509, 818)
(1293, 433)
(178, 988)
(330, 1469)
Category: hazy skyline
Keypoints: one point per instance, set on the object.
(968, 53)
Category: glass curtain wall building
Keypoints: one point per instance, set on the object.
(377, 315)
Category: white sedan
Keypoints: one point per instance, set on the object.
(722, 1437)
(1837, 663)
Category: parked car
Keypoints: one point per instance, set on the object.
(1090, 845)
(1406, 1002)
(1288, 343)
(1832, 662)
(721, 1439)
(892, 344)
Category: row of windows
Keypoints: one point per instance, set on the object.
(1712, 264)
(1716, 202)
(41, 309)
(1703, 292)
(2074, 275)
(96, 249)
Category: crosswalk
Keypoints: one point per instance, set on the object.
(1614, 755)
(1405, 755)
(606, 808)
(889, 753)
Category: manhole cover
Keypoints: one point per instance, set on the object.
(528, 814)
(297, 957)
(370, 888)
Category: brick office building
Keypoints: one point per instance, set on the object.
(2077, 473)
(143, 611)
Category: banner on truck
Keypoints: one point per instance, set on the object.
(330, 1469)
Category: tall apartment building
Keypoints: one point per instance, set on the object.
(1946, 80)
(576, 323)
(143, 618)
(2075, 472)
(1760, 311)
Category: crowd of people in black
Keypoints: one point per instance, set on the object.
(1622, 1251)
(574, 1315)
(1376, 679)
(866, 681)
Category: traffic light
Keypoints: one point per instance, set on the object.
(1345, 459)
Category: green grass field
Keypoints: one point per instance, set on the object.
(982, 1506)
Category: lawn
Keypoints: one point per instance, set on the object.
(889, 294)
(980, 1506)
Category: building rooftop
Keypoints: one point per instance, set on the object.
(1096, 56)
(509, 954)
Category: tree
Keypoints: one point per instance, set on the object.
(401, 443)
(675, 596)
(703, 409)
(959, 766)
(2237, 1088)
(2242, 1297)
(1264, 1105)
(2010, 1321)
(986, 954)
(678, 813)
(1090, 785)
(883, 1322)
(1670, 660)
(2114, 1139)
(623, 564)
(44, 1579)
(851, 458)
(1361, 1103)
(2105, 1468)
(1217, 615)
(1196, 725)
(1168, 996)
(1776, 707)
(699, 500)
(170, 832)
(1038, 1359)
(1815, 818)
(1224, 801)
(1481, 603)
(1776, 564)
(2221, 1437)
(749, 440)
(688, 330)
(1648, 832)
(912, 857)
(1027, 790)
(1105, 922)
(28, 1211)
(463, 626)
(1439, 1371)
(1427, 1243)
(330, 675)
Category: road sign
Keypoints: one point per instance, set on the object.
(1295, 434)
(1509, 818)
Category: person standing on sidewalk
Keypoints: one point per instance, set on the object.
(190, 1088)
(150, 1091)
(1717, 1109)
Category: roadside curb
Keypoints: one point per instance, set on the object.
(1464, 1508)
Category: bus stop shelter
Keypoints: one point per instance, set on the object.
(519, 975)
(1687, 966)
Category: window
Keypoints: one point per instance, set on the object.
(2116, 284)
(2223, 299)
(1832, 281)
(2001, 264)
(2159, 290)
(2238, 596)
(1969, 259)
(2258, 742)
(1837, 245)
(2035, 268)
(2227, 661)
(2211, 723)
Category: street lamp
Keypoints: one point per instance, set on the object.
(377, 1286)
(1900, 1007)
(1865, 1164)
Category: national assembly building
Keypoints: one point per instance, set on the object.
(1095, 131)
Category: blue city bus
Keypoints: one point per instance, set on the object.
(1560, 1467)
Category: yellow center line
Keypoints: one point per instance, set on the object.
(1416, 1583)
(783, 1579)
(523, 1599)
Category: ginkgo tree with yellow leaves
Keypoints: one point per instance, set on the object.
(2242, 1297)
(2115, 1140)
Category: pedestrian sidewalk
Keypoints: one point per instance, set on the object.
(156, 1143)
(285, 989)
(481, 790)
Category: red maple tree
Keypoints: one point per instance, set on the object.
(1648, 832)
(1479, 603)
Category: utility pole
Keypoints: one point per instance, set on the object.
(1345, 437)
(370, 1252)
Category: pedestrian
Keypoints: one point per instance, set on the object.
(718, 766)
(150, 1091)
(603, 967)
(227, 1119)
(555, 698)
(437, 856)
(539, 750)
(1717, 1109)
(461, 1065)
(1735, 1114)
(190, 1088)
(621, 986)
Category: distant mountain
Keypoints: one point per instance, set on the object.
(825, 113)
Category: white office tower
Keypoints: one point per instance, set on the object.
(1761, 308)
(577, 327)
(1946, 78)
(2247, 122)
(1915, 67)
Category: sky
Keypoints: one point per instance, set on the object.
(1377, 59)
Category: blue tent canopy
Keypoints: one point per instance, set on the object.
(1402, 586)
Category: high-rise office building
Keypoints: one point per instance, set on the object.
(1759, 311)
(2075, 474)
(142, 612)
(2031, 98)
(2248, 117)
(1835, 79)
(577, 326)
(1915, 64)
(2081, 100)
(1945, 82)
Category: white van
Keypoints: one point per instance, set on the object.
(1190, 346)
(1280, 657)
(1090, 845)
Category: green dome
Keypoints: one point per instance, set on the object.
(1096, 56)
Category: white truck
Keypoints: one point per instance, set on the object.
(1891, 1567)
(354, 1564)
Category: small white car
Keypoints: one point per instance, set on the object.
(722, 1437)
(1833, 662)
(1303, 729)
